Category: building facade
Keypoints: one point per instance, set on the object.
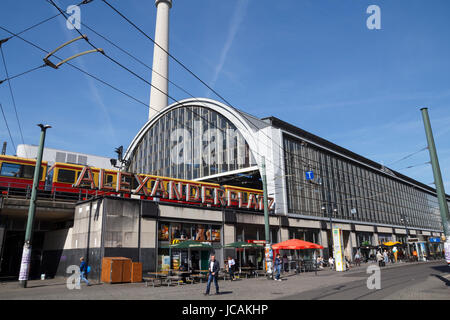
(311, 179)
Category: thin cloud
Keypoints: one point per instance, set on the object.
(92, 86)
(236, 22)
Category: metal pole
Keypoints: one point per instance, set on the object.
(268, 248)
(443, 206)
(407, 235)
(26, 255)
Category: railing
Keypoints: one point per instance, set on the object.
(23, 190)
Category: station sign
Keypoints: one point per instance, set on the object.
(309, 175)
(173, 190)
(435, 240)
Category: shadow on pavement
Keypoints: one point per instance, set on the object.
(446, 281)
(443, 268)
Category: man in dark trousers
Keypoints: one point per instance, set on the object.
(213, 274)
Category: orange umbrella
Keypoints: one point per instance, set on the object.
(295, 244)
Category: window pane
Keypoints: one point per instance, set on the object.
(10, 170)
(67, 176)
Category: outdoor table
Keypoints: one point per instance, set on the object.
(176, 278)
(200, 274)
(155, 276)
(247, 270)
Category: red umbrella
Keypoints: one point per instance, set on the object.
(295, 244)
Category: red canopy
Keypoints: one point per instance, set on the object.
(295, 244)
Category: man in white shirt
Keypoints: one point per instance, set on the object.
(213, 274)
(231, 265)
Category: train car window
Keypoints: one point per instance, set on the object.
(109, 179)
(28, 172)
(10, 170)
(67, 176)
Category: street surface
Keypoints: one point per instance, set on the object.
(425, 280)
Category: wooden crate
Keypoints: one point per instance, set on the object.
(126, 270)
(136, 272)
(116, 270)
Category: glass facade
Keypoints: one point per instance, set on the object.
(351, 191)
(176, 232)
(190, 143)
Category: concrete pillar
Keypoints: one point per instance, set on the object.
(160, 73)
(353, 244)
(324, 242)
(284, 234)
(375, 239)
(149, 251)
(229, 236)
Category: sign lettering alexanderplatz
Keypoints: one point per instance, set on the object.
(173, 189)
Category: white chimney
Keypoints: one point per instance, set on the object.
(158, 99)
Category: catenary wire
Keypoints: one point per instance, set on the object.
(138, 76)
(7, 127)
(12, 97)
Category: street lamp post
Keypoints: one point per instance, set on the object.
(26, 254)
(330, 214)
(268, 246)
(404, 219)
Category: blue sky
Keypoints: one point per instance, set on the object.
(312, 63)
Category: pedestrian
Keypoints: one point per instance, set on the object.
(285, 263)
(347, 263)
(357, 259)
(385, 257)
(277, 266)
(331, 263)
(231, 265)
(320, 262)
(380, 259)
(213, 274)
(83, 271)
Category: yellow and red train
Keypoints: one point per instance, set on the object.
(16, 175)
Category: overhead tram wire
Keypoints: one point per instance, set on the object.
(414, 166)
(409, 155)
(136, 59)
(77, 68)
(136, 75)
(12, 97)
(106, 83)
(44, 21)
(184, 67)
(7, 127)
(23, 73)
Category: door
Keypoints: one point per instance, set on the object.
(2, 236)
(204, 260)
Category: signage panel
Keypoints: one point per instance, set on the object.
(338, 250)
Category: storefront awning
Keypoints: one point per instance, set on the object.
(295, 244)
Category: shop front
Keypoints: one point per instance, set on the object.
(173, 232)
(253, 233)
(435, 247)
(364, 244)
(305, 234)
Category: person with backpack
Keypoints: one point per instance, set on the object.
(84, 270)
(277, 265)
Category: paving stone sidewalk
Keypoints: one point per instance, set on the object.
(244, 289)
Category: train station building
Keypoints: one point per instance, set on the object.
(315, 185)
